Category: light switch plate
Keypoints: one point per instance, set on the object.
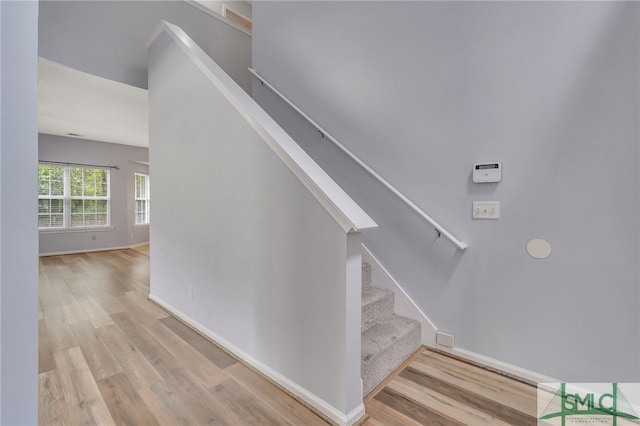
(486, 210)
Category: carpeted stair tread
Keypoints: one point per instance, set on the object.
(377, 306)
(385, 347)
(386, 334)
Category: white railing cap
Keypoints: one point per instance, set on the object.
(339, 205)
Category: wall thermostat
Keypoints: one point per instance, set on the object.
(486, 173)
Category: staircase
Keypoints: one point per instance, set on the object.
(387, 339)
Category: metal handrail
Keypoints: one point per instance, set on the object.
(440, 230)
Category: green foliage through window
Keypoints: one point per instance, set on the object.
(72, 197)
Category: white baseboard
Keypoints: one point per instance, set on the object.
(319, 404)
(60, 253)
(136, 245)
(512, 370)
(404, 305)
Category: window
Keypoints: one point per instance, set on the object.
(72, 197)
(50, 197)
(142, 199)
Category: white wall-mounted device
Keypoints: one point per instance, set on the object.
(487, 172)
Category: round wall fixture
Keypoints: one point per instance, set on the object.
(539, 248)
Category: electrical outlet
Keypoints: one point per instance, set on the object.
(93, 237)
(486, 210)
(190, 292)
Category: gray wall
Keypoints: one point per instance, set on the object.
(423, 90)
(18, 222)
(107, 38)
(122, 232)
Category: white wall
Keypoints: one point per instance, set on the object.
(123, 232)
(275, 277)
(423, 90)
(18, 207)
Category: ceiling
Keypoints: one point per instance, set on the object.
(73, 103)
(107, 100)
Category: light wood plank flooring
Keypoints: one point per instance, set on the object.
(109, 356)
(435, 389)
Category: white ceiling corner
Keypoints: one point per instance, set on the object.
(95, 108)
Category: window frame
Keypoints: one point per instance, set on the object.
(146, 199)
(68, 198)
(51, 197)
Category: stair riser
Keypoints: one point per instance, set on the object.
(366, 274)
(381, 364)
(387, 339)
(377, 311)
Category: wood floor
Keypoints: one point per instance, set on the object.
(107, 356)
(435, 389)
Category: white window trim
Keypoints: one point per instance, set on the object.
(147, 199)
(76, 229)
(67, 197)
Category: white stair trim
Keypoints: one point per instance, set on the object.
(338, 204)
(404, 305)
